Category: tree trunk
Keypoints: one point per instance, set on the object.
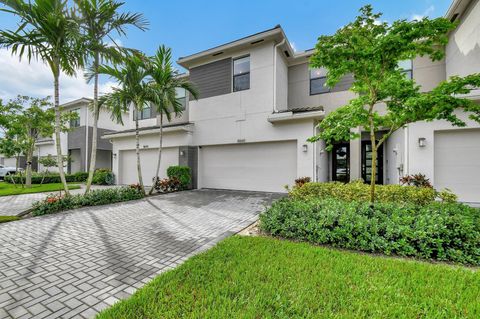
(374, 162)
(159, 152)
(28, 169)
(57, 134)
(137, 151)
(93, 157)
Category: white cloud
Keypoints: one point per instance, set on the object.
(426, 13)
(35, 79)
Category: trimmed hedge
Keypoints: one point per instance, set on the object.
(50, 178)
(182, 173)
(55, 203)
(359, 191)
(437, 231)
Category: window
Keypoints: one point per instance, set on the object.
(181, 95)
(318, 80)
(146, 113)
(75, 122)
(406, 67)
(241, 74)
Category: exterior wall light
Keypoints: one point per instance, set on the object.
(305, 148)
(114, 155)
(422, 142)
(182, 153)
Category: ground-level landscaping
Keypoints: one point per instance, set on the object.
(7, 189)
(259, 277)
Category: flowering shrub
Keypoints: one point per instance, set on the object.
(57, 203)
(167, 185)
(419, 180)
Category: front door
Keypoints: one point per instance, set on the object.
(341, 162)
(367, 163)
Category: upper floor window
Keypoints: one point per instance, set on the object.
(406, 66)
(181, 95)
(241, 74)
(76, 121)
(145, 113)
(318, 80)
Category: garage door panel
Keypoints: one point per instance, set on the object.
(254, 166)
(148, 160)
(457, 163)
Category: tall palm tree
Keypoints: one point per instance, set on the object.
(48, 31)
(165, 82)
(132, 76)
(99, 19)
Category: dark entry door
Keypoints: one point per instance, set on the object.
(341, 162)
(367, 163)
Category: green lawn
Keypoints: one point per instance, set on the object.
(245, 277)
(10, 189)
(6, 219)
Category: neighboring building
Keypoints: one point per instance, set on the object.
(259, 102)
(77, 142)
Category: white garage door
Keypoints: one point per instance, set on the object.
(457, 163)
(148, 159)
(255, 167)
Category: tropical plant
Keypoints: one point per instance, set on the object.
(99, 20)
(132, 77)
(387, 100)
(164, 86)
(48, 31)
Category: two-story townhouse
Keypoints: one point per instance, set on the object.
(259, 102)
(77, 142)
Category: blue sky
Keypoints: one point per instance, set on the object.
(189, 26)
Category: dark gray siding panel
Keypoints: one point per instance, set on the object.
(344, 84)
(213, 79)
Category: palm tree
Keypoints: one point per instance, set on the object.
(165, 82)
(132, 76)
(98, 20)
(48, 31)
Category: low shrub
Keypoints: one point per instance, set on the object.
(358, 191)
(81, 176)
(447, 196)
(57, 203)
(49, 178)
(182, 173)
(167, 185)
(103, 176)
(440, 231)
(419, 180)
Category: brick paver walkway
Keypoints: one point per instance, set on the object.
(78, 263)
(15, 204)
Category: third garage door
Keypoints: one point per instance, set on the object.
(457, 163)
(253, 166)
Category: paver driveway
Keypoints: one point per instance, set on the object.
(75, 264)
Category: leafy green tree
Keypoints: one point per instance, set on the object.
(165, 81)
(48, 31)
(99, 20)
(132, 76)
(386, 99)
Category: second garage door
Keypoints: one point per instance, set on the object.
(457, 163)
(253, 166)
(148, 159)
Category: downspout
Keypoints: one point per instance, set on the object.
(406, 168)
(86, 141)
(275, 75)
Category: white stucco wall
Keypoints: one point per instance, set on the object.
(421, 159)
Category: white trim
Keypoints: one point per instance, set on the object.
(290, 116)
(184, 128)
